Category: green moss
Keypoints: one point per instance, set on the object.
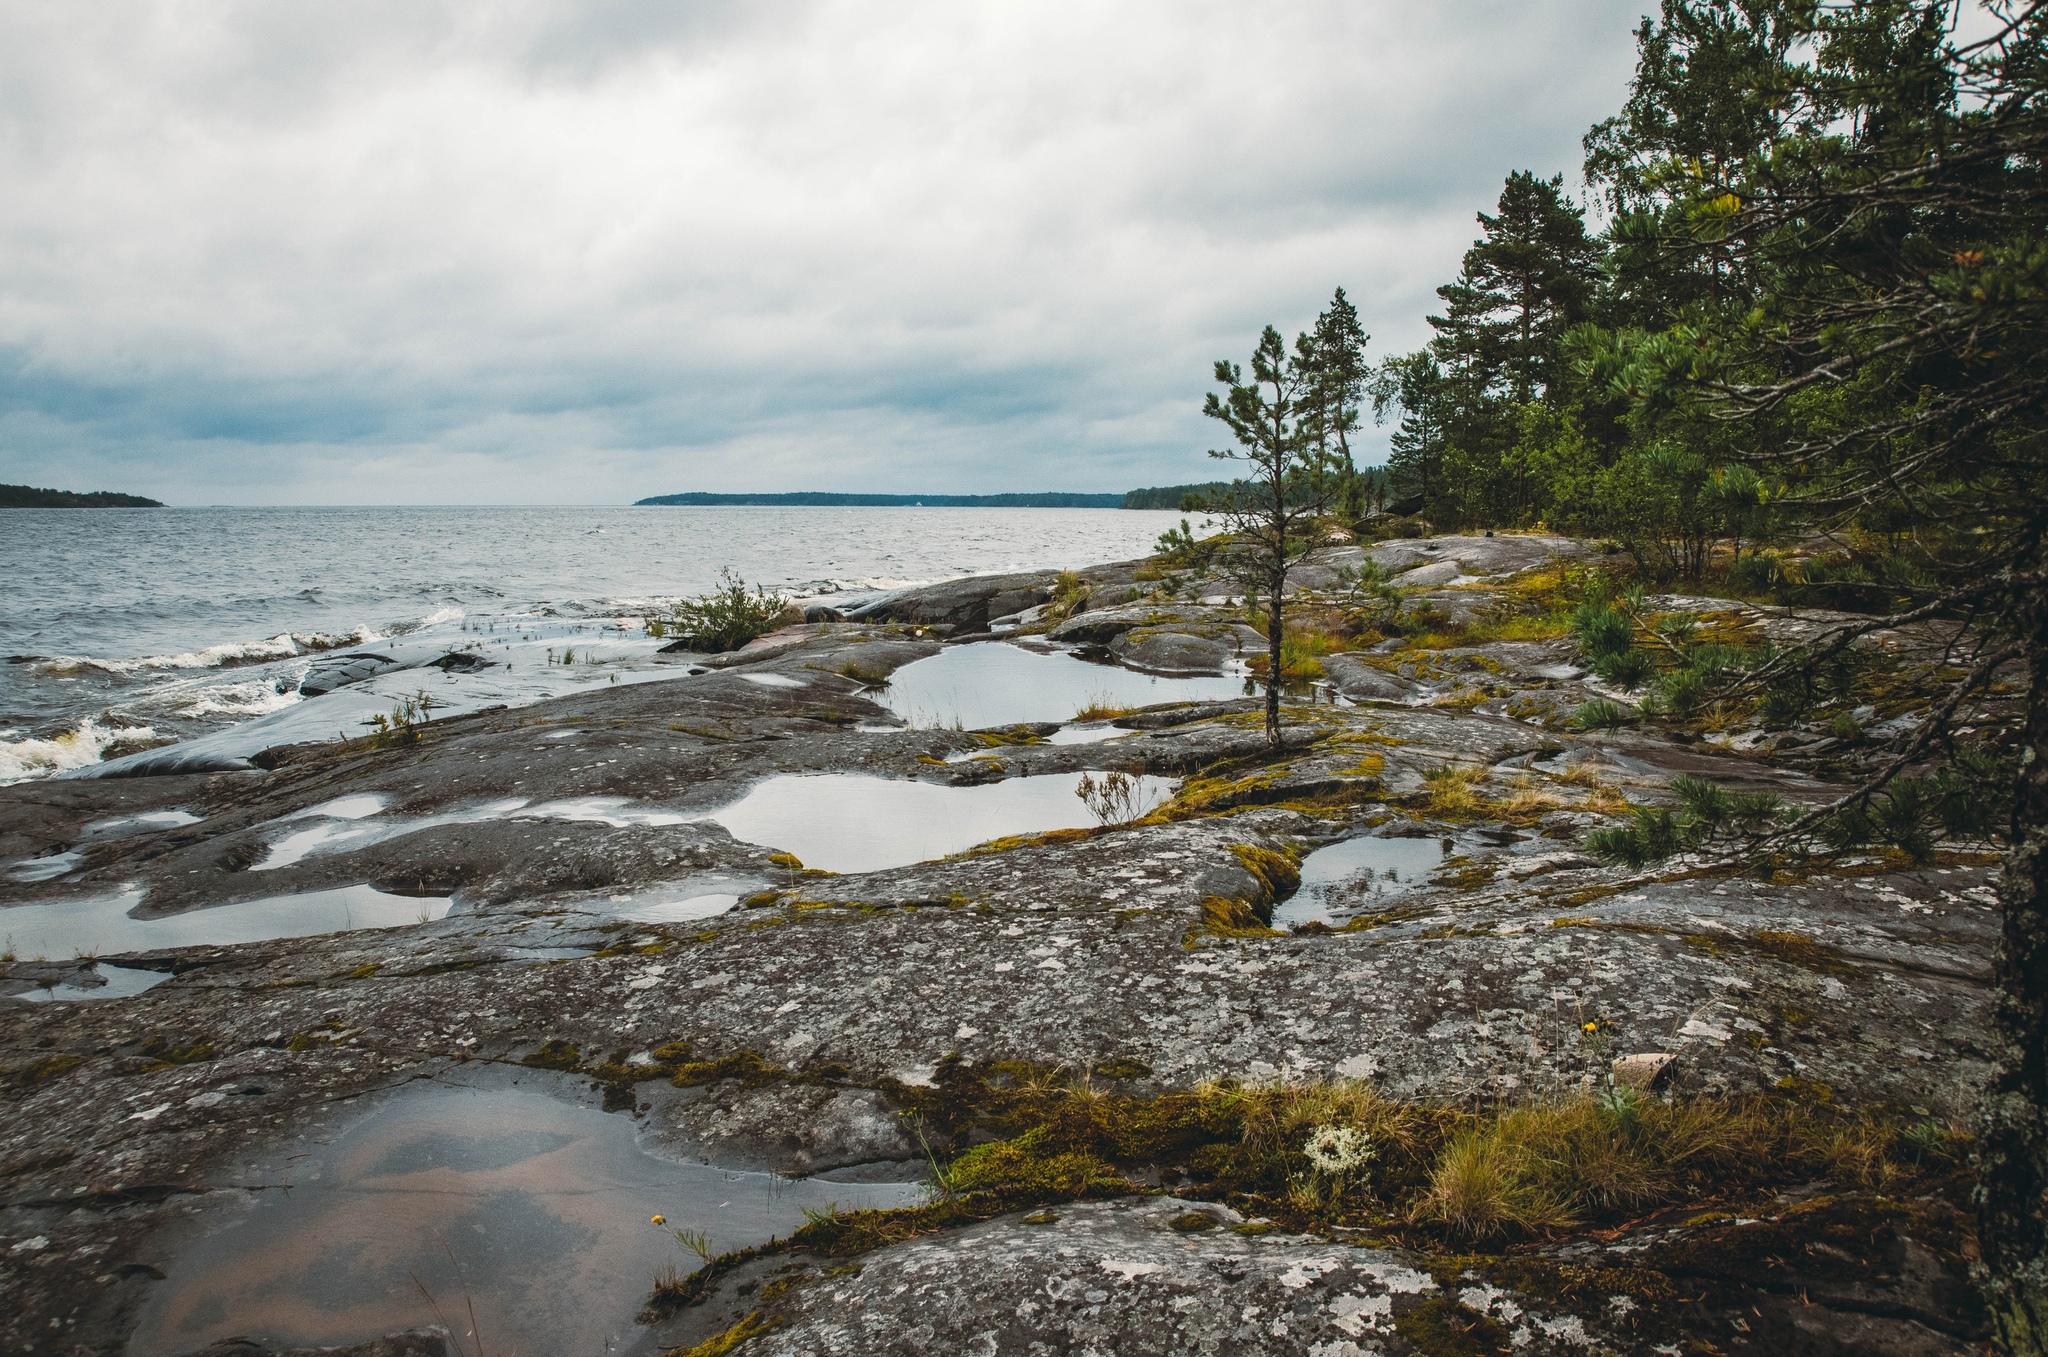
(745, 1066)
(1278, 874)
(753, 1326)
(1016, 735)
(1794, 949)
(166, 1051)
(1034, 1165)
(1359, 923)
(1223, 917)
(554, 1054)
(42, 1070)
(1443, 1327)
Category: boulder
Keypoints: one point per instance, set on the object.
(1100, 626)
(1486, 557)
(1172, 652)
(964, 604)
(1360, 680)
(329, 672)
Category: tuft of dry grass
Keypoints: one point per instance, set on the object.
(1482, 1188)
(1452, 789)
(1431, 1173)
(1605, 800)
(1527, 798)
(1102, 708)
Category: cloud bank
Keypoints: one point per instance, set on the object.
(580, 251)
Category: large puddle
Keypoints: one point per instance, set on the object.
(529, 1211)
(101, 925)
(993, 683)
(840, 822)
(847, 822)
(1358, 876)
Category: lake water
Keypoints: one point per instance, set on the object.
(127, 624)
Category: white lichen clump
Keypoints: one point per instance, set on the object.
(1338, 1149)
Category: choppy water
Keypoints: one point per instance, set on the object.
(125, 625)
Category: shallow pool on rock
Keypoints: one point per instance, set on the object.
(101, 925)
(1358, 876)
(850, 822)
(993, 683)
(115, 982)
(529, 1210)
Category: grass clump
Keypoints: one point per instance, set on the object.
(724, 619)
(1009, 1136)
(1453, 790)
(1601, 714)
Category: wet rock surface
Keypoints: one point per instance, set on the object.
(1157, 1275)
(784, 1031)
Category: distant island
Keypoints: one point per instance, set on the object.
(29, 497)
(1162, 497)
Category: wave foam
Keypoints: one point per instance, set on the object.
(258, 698)
(280, 647)
(21, 760)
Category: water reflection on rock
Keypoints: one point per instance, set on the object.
(1357, 876)
(530, 1209)
(974, 687)
(848, 822)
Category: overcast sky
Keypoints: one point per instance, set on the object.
(582, 251)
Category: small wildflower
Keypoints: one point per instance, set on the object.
(657, 1220)
(1589, 1027)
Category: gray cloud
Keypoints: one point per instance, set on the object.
(574, 252)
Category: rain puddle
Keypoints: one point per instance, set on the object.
(99, 831)
(993, 683)
(529, 1211)
(699, 897)
(98, 926)
(352, 826)
(126, 826)
(1358, 876)
(848, 822)
(120, 982)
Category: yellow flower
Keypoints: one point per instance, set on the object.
(657, 1220)
(1590, 1027)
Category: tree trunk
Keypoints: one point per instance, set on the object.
(2012, 1164)
(1274, 586)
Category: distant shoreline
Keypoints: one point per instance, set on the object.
(32, 497)
(827, 499)
(1157, 497)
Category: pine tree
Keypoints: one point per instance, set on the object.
(1414, 383)
(1528, 279)
(1887, 363)
(1276, 512)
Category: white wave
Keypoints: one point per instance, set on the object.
(280, 647)
(21, 760)
(256, 698)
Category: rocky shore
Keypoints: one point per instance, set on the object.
(810, 1027)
